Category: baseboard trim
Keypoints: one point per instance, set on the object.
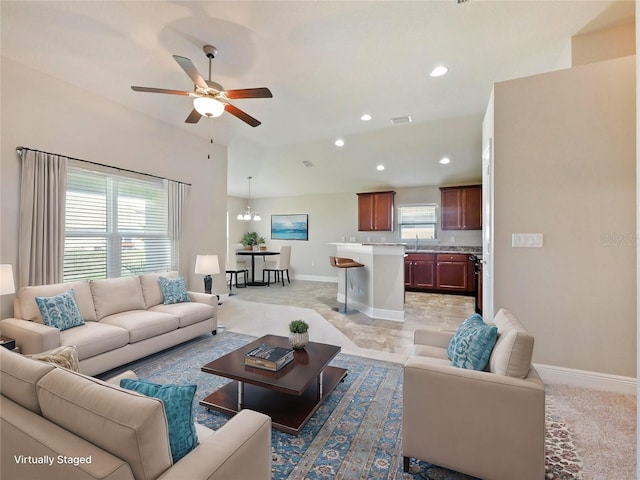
(551, 374)
(316, 278)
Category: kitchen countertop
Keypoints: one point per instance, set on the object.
(445, 249)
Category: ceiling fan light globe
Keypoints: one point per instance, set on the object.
(208, 107)
(240, 217)
(246, 217)
(257, 218)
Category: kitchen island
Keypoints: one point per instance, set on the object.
(377, 290)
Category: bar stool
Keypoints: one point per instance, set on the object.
(346, 264)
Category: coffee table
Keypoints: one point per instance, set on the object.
(289, 396)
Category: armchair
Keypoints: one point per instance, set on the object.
(489, 424)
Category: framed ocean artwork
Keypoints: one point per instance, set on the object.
(290, 227)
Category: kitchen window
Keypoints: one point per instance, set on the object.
(115, 225)
(417, 222)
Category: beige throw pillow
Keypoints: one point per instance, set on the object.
(66, 357)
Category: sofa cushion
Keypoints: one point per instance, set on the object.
(66, 357)
(18, 378)
(513, 351)
(26, 307)
(174, 290)
(471, 346)
(187, 313)
(94, 338)
(178, 403)
(128, 425)
(60, 311)
(151, 287)
(115, 295)
(142, 324)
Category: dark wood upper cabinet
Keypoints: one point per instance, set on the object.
(375, 211)
(461, 208)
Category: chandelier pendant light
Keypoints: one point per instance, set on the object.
(249, 214)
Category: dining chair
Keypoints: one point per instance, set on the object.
(236, 266)
(278, 267)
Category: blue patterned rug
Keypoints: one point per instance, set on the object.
(355, 434)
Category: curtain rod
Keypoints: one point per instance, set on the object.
(19, 150)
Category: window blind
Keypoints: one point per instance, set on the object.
(115, 225)
(417, 222)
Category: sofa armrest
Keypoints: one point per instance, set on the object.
(239, 450)
(30, 337)
(115, 380)
(207, 298)
(473, 420)
(432, 337)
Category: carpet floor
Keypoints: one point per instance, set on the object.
(355, 434)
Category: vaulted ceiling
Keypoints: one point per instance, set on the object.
(327, 63)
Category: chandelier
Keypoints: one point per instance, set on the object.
(249, 214)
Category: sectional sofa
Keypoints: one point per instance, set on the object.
(124, 319)
(60, 424)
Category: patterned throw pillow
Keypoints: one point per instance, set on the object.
(60, 311)
(66, 357)
(174, 290)
(471, 346)
(178, 402)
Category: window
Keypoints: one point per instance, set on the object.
(417, 222)
(115, 225)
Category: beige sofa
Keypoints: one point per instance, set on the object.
(125, 319)
(488, 424)
(59, 424)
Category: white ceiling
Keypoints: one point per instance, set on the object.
(326, 62)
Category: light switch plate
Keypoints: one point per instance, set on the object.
(526, 240)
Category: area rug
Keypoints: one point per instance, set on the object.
(355, 434)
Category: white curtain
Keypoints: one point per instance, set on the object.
(177, 192)
(42, 209)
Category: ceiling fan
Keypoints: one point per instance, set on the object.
(209, 98)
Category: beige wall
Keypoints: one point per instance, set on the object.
(615, 42)
(332, 218)
(43, 113)
(565, 167)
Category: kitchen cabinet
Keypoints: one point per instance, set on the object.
(419, 271)
(461, 208)
(454, 273)
(375, 211)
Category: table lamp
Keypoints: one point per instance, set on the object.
(6, 280)
(207, 265)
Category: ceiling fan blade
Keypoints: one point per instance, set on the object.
(194, 117)
(190, 69)
(249, 93)
(245, 117)
(160, 90)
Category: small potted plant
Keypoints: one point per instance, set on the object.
(251, 239)
(298, 334)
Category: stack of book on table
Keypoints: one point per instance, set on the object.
(269, 358)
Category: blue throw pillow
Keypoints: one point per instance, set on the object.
(60, 311)
(472, 344)
(174, 290)
(178, 402)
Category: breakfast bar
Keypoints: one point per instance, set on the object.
(377, 290)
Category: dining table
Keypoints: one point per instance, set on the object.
(253, 254)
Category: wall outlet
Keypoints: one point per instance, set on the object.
(313, 263)
(452, 239)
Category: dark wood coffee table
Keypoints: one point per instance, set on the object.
(289, 396)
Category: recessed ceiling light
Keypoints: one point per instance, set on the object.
(339, 142)
(439, 71)
(380, 167)
(444, 160)
(366, 117)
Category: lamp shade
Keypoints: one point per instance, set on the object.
(207, 265)
(7, 285)
(207, 106)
